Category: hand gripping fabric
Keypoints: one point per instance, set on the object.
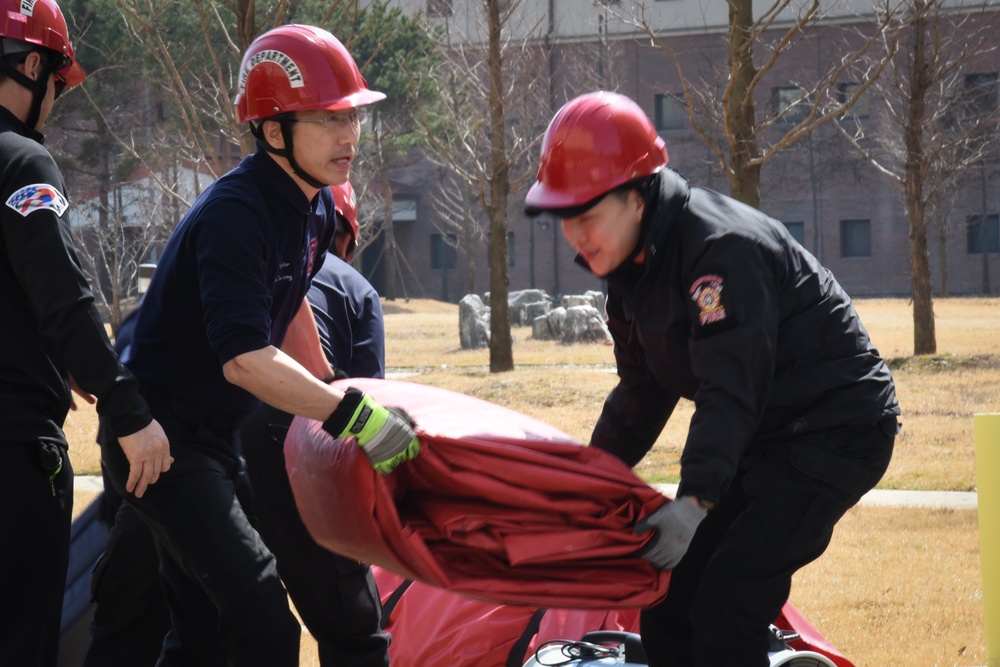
(675, 524)
(386, 435)
(498, 506)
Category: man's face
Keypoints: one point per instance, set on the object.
(326, 143)
(606, 234)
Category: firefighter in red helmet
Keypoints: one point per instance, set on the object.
(53, 339)
(213, 337)
(795, 412)
(336, 597)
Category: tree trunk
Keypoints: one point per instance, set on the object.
(744, 177)
(501, 344)
(924, 338)
(468, 233)
(942, 230)
(388, 238)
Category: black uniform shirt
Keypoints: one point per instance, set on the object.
(233, 274)
(731, 312)
(51, 328)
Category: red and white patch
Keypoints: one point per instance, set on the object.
(707, 293)
(38, 196)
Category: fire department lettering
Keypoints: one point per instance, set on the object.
(707, 293)
(280, 59)
(38, 196)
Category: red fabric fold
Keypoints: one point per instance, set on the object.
(498, 506)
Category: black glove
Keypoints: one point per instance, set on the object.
(385, 434)
(338, 374)
(675, 524)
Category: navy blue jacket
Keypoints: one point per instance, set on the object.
(230, 280)
(729, 311)
(349, 319)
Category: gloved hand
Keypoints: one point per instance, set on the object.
(385, 434)
(674, 524)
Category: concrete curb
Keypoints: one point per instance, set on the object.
(959, 500)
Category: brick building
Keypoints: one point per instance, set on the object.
(839, 206)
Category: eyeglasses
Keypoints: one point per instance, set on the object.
(340, 121)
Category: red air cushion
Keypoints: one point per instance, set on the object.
(498, 506)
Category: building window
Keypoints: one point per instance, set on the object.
(790, 104)
(861, 106)
(975, 234)
(443, 253)
(670, 112)
(981, 92)
(404, 209)
(855, 238)
(439, 9)
(798, 231)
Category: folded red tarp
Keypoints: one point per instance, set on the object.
(498, 506)
(431, 627)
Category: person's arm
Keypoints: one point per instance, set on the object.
(385, 434)
(43, 256)
(280, 381)
(302, 343)
(638, 408)
(732, 349)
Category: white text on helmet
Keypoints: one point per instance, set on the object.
(280, 59)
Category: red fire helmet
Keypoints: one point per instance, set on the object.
(40, 22)
(595, 143)
(299, 67)
(347, 205)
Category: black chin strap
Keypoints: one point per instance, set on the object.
(288, 152)
(38, 87)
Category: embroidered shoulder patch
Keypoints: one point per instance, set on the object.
(707, 293)
(38, 196)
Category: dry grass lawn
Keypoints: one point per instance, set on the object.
(897, 586)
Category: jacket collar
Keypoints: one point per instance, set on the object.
(10, 122)
(272, 177)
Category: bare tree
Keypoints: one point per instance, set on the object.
(727, 111)
(118, 232)
(458, 225)
(485, 132)
(940, 124)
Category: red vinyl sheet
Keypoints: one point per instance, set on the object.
(498, 506)
(431, 627)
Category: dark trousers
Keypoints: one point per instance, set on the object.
(335, 596)
(36, 508)
(131, 617)
(227, 604)
(778, 515)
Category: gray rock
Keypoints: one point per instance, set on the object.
(473, 323)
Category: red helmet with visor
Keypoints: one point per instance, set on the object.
(595, 143)
(296, 68)
(38, 23)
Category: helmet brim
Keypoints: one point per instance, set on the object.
(358, 99)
